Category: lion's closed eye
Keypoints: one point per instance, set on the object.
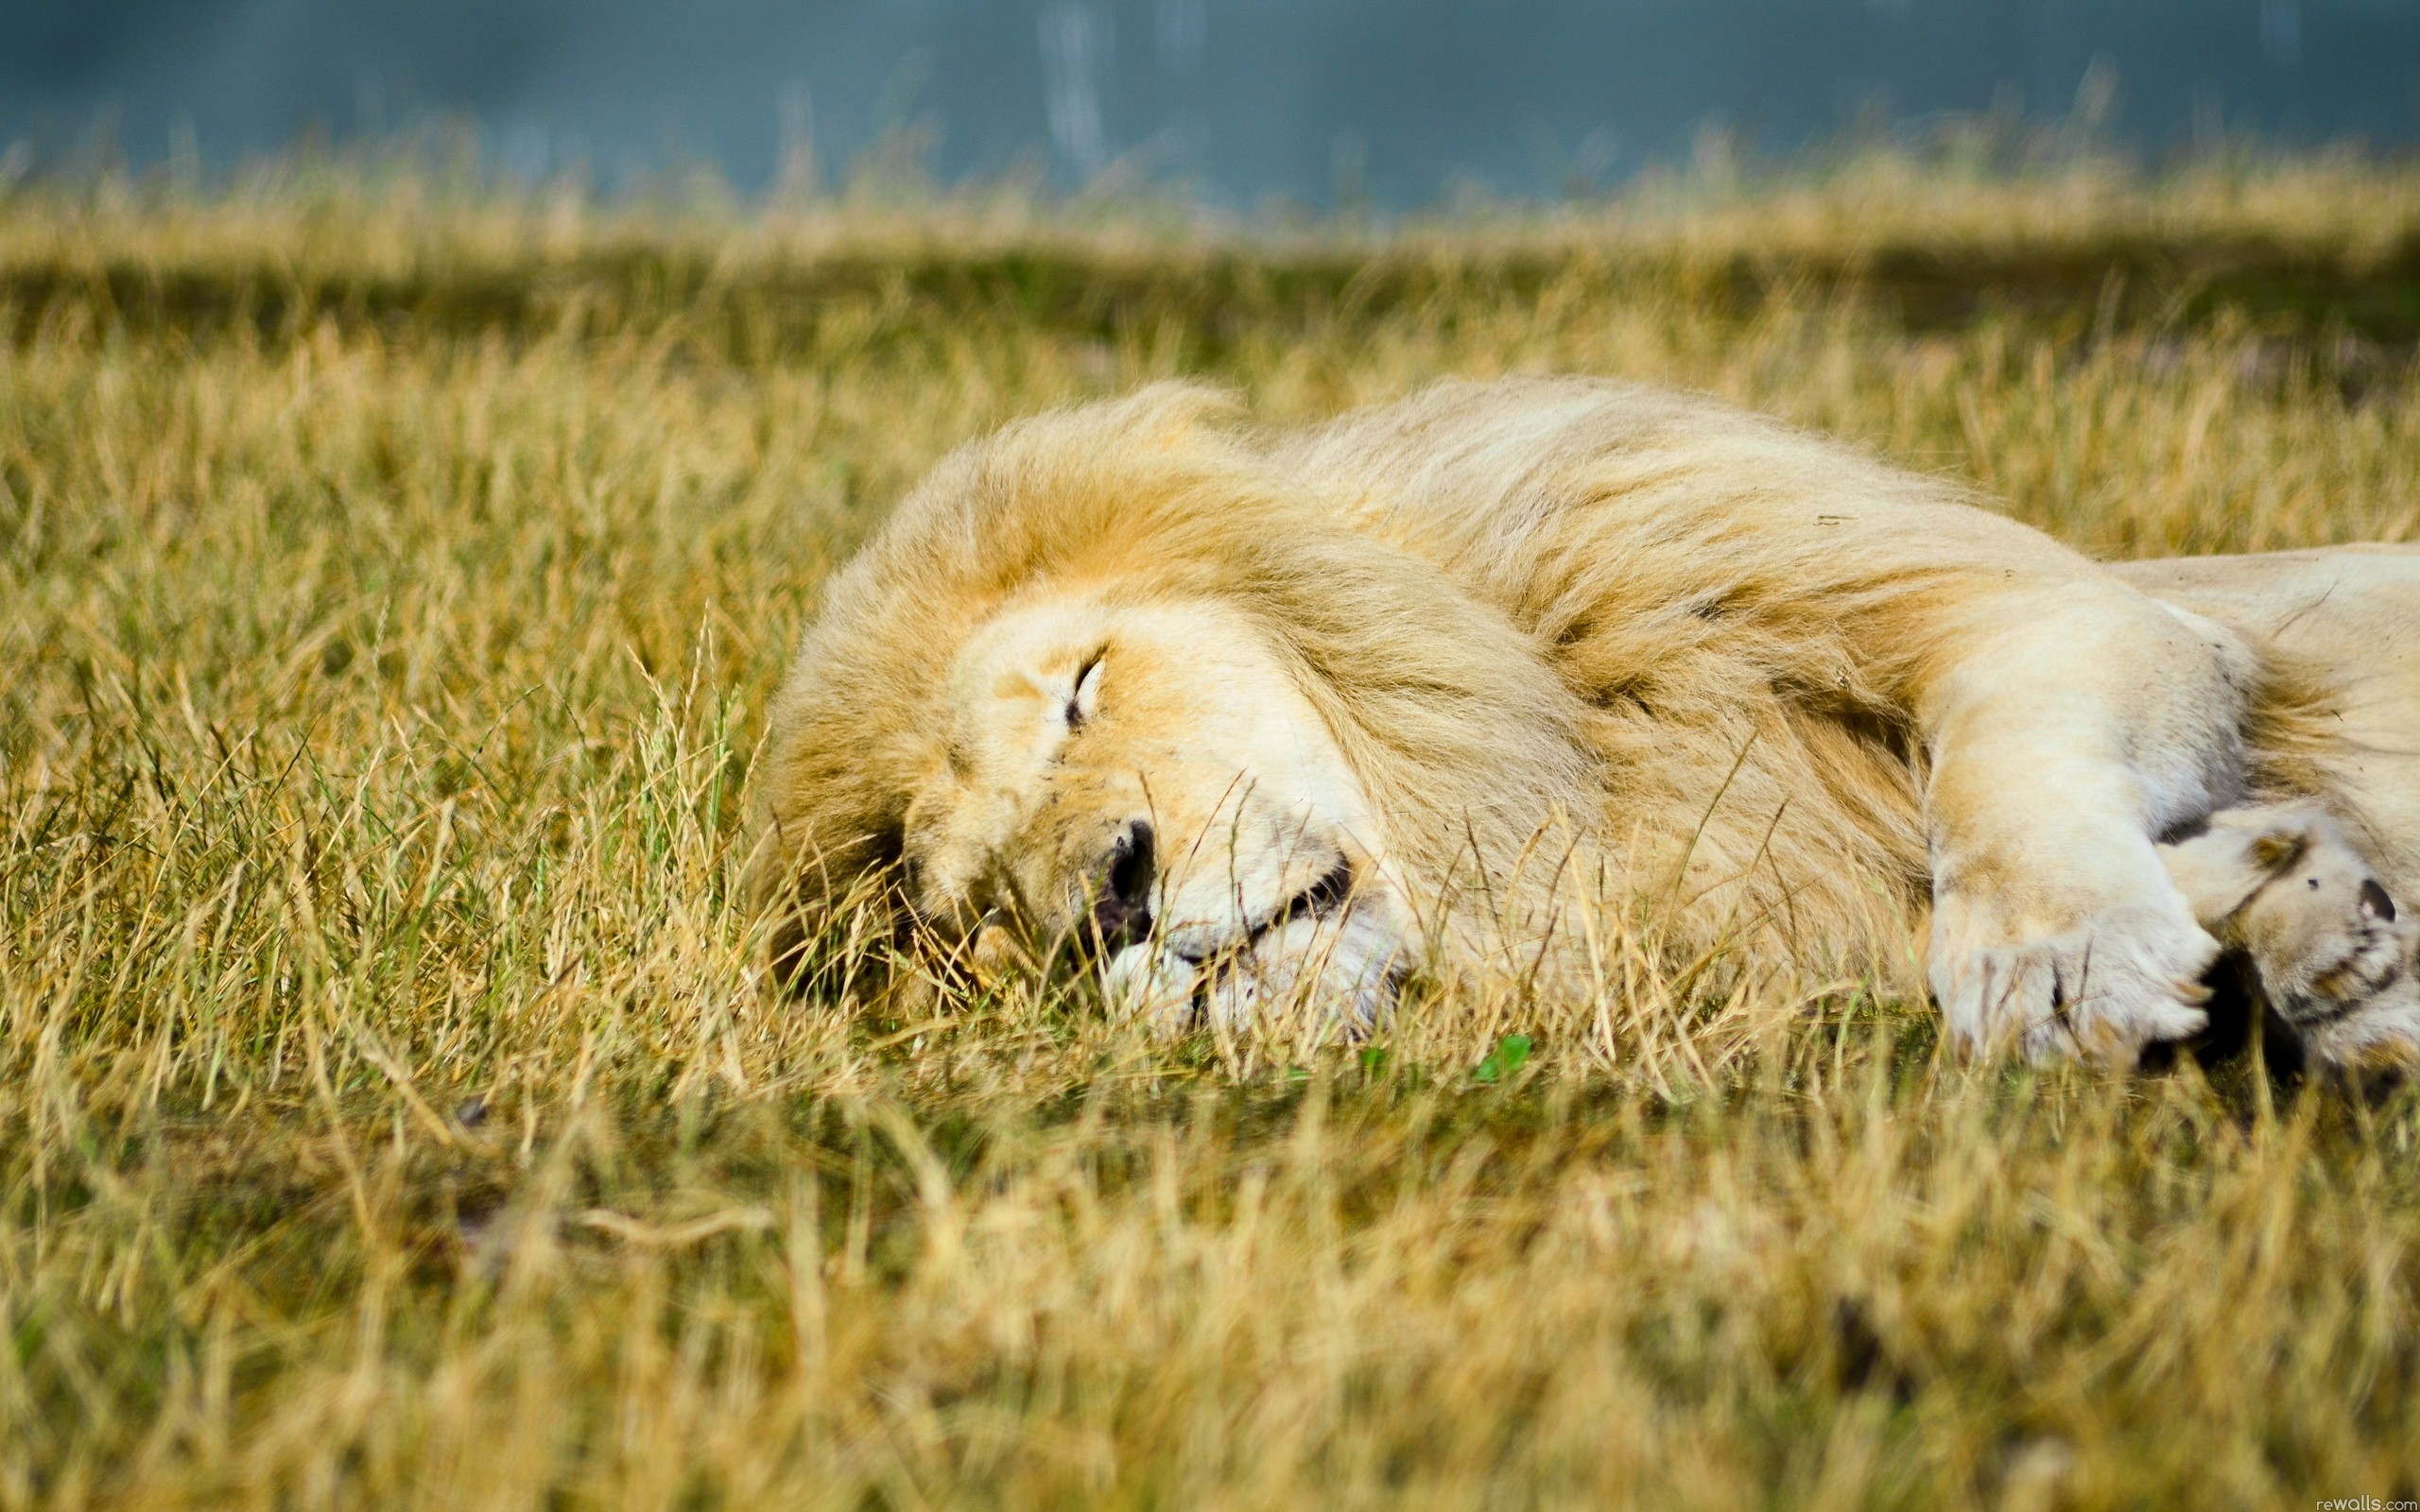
(1085, 701)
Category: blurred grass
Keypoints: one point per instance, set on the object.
(390, 583)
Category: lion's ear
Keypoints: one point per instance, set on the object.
(1086, 703)
(2220, 868)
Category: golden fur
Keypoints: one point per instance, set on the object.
(1583, 648)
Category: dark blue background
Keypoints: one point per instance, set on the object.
(1247, 97)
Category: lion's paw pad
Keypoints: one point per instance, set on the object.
(2283, 884)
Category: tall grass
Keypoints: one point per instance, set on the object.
(392, 1112)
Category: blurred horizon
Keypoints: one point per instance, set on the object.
(1320, 101)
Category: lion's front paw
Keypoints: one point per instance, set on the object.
(2102, 989)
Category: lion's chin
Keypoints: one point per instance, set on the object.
(1336, 974)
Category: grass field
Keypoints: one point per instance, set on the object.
(391, 582)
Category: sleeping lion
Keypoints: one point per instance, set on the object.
(1483, 681)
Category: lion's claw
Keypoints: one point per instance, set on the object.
(2100, 991)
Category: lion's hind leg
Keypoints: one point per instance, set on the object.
(2333, 954)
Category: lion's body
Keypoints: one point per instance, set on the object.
(1584, 649)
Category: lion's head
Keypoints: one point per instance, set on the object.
(1109, 683)
(1146, 780)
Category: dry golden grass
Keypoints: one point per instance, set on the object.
(390, 1115)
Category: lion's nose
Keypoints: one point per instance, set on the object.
(1122, 904)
